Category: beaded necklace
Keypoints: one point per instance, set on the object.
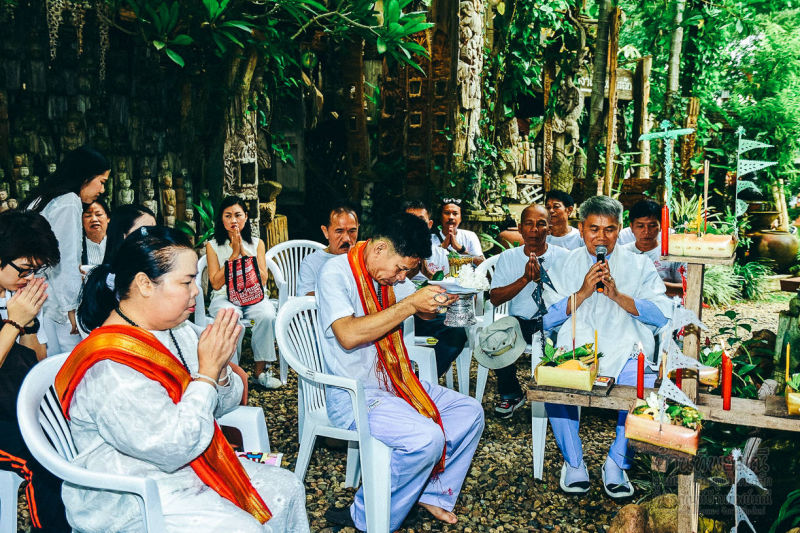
(171, 336)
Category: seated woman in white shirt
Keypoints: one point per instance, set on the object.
(127, 219)
(142, 393)
(95, 224)
(233, 239)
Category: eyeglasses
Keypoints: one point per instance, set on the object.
(27, 272)
(456, 201)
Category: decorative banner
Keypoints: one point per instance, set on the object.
(677, 360)
(682, 317)
(669, 137)
(741, 472)
(744, 167)
(747, 144)
(669, 390)
(748, 166)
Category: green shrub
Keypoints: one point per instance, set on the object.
(754, 278)
(721, 285)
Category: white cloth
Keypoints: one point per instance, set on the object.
(668, 270)
(626, 236)
(511, 266)
(618, 332)
(337, 297)
(261, 314)
(95, 251)
(309, 270)
(41, 335)
(437, 262)
(570, 241)
(64, 215)
(465, 238)
(124, 423)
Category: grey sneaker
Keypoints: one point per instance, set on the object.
(268, 381)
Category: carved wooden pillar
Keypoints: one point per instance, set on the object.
(547, 133)
(611, 120)
(354, 117)
(470, 65)
(688, 141)
(641, 119)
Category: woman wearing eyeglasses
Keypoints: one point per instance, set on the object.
(27, 245)
(453, 239)
(79, 180)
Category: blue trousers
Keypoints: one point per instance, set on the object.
(565, 421)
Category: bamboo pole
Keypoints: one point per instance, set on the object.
(611, 120)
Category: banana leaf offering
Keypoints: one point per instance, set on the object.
(557, 356)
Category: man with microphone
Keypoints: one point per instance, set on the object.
(620, 296)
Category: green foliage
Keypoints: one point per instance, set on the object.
(789, 514)
(721, 285)
(754, 278)
(747, 371)
(206, 211)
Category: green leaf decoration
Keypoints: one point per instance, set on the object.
(174, 56)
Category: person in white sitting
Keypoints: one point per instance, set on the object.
(341, 231)
(432, 431)
(626, 309)
(560, 205)
(452, 238)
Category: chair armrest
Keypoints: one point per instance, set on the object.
(425, 357)
(251, 424)
(280, 280)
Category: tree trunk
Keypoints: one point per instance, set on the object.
(598, 94)
(674, 65)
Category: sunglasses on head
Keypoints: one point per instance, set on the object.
(456, 201)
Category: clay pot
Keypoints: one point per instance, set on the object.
(760, 220)
(780, 246)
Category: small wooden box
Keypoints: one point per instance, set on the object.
(792, 401)
(669, 436)
(555, 376)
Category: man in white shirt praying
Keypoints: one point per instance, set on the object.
(452, 238)
(451, 340)
(433, 432)
(340, 229)
(514, 280)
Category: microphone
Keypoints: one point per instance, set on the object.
(601, 252)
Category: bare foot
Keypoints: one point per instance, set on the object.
(440, 514)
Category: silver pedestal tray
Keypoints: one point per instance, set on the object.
(462, 313)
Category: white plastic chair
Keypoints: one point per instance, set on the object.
(424, 356)
(9, 491)
(367, 457)
(287, 256)
(47, 435)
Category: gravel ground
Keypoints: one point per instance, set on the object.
(499, 494)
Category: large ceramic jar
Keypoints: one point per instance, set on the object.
(780, 246)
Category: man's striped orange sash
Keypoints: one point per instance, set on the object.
(393, 361)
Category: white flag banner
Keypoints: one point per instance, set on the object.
(746, 166)
(741, 516)
(744, 473)
(682, 317)
(677, 360)
(747, 144)
(671, 391)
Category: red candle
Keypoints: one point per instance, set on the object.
(665, 227)
(679, 377)
(727, 381)
(640, 375)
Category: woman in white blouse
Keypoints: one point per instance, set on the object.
(79, 180)
(95, 225)
(233, 239)
(142, 393)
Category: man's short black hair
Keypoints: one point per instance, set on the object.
(644, 209)
(27, 234)
(561, 196)
(337, 208)
(408, 234)
(415, 204)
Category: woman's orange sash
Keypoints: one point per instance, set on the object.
(218, 466)
(393, 361)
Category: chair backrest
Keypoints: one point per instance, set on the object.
(298, 336)
(200, 318)
(288, 256)
(487, 269)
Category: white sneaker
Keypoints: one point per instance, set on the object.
(268, 381)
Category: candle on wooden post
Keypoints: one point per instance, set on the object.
(640, 374)
(788, 358)
(595, 348)
(665, 227)
(679, 377)
(572, 310)
(699, 219)
(727, 380)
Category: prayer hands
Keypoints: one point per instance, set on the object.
(430, 299)
(532, 269)
(450, 239)
(236, 242)
(25, 304)
(218, 342)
